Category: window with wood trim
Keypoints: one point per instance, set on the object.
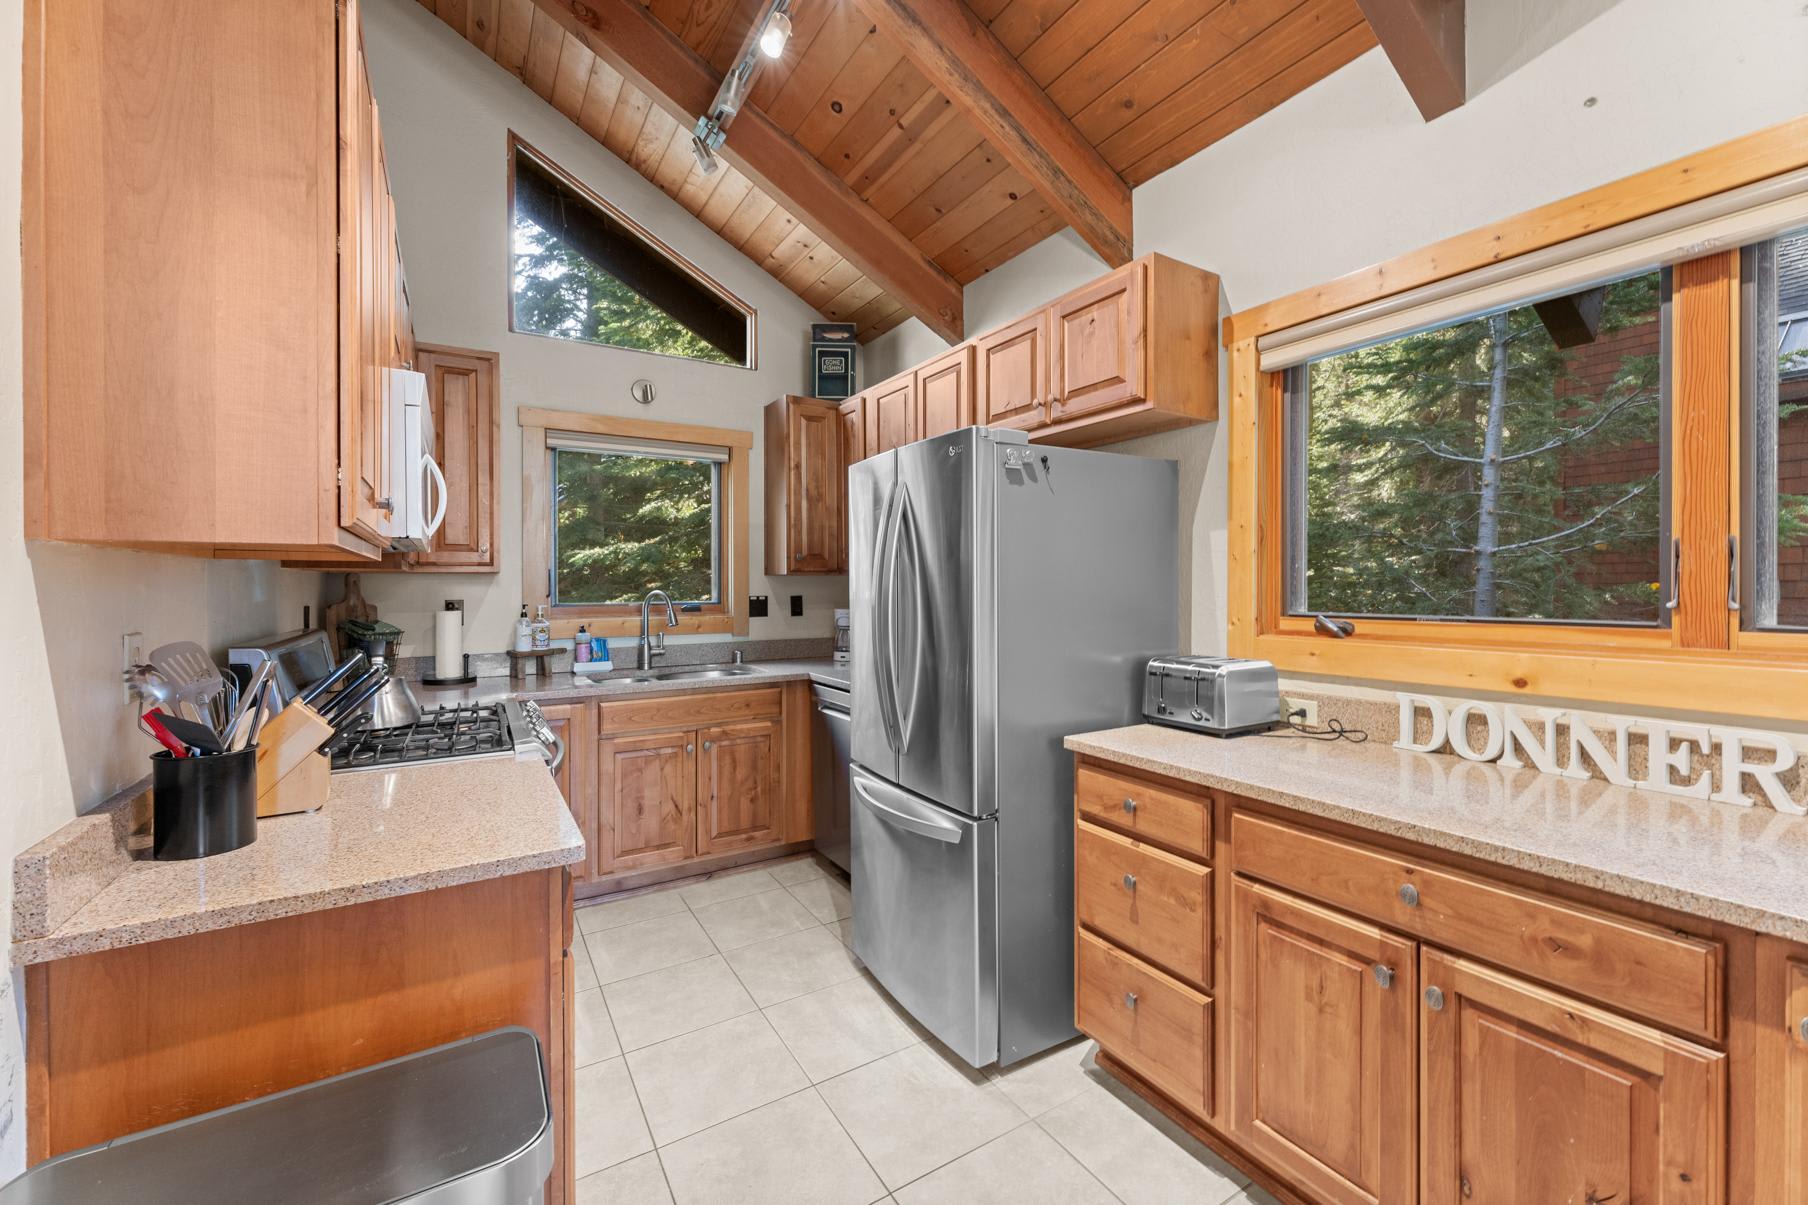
(583, 270)
(613, 508)
(1564, 455)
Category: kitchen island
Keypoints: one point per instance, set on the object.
(419, 905)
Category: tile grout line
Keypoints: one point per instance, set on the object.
(855, 1142)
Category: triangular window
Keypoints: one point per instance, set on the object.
(584, 270)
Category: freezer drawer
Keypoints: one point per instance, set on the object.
(925, 911)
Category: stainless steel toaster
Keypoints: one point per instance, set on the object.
(1219, 695)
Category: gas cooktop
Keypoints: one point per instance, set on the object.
(451, 731)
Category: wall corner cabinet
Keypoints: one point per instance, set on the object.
(806, 486)
(667, 786)
(212, 282)
(1354, 1018)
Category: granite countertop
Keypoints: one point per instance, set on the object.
(382, 833)
(572, 688)
(1743, 866)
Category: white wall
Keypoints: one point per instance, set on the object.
(1346, 174)
(447, 111)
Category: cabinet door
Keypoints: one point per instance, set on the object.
(1321, 1048)
(814, 486)
(572, 723)
(891, 415)
(645, 796)
(363, 454)
(1011, 367)
(853, 429)
(1530, 1095)
(945, 393)
(1099, 344)
(738, 802)
(462, 389)
(1781, 1165)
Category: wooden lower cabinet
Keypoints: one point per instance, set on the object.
(1530, 1095)
(645, 797)
(738, 799)
(1782, 1072)
(1357, 1019)
(574, 724)
(1323, 1065)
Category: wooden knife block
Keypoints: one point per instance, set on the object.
(291, 771)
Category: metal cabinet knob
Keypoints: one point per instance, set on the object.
(707, 745)
(1130, 805)
(1130, 1001)
(1384, 975)
(1129, 882)
(1409, 895)
(797, 556)
(689, 749)
(1434, 999)
(1803, 1029)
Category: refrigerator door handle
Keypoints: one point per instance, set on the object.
(907, 521)
(886, 607)
(909, 815)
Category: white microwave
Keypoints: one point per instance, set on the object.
(418, 504)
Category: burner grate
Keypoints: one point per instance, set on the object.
(451, 730)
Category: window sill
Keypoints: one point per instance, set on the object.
(613, 623)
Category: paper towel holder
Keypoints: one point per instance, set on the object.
(467, 677)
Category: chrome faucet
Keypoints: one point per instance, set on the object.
(649, 647)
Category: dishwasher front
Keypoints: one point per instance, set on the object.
(831, 745)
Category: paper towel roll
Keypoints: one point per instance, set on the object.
(449, 644)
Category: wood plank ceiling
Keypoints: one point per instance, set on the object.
(1148, 83)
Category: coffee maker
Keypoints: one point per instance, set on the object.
(844, 647)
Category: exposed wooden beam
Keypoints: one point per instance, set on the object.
(629, 38)
(1424, 41)
(959, 54)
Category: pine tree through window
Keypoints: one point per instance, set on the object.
(1503, 467)
(582, 270)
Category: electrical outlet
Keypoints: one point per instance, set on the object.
(797, 604)
(131, 653)
(1300, 711)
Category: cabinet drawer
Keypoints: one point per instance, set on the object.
(690, 709)
(1155, 1025)
(1159, 814)
(1673, 978)
(1151, 902)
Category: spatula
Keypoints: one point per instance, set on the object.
(192, 676)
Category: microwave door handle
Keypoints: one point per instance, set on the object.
(439, 480)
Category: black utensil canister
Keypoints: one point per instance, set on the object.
(202, 805)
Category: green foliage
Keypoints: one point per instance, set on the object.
(1399, 478)
(559, 292)
(630, 524)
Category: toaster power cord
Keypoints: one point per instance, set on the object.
(1333, 730)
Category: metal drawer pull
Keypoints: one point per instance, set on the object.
(1129, 805)
(1409, 895)
(1384, 975)
(1129, 882)
(1434, 999)
(1130, 1001)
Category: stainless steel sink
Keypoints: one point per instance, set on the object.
(682, 675)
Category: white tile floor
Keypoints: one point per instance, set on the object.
(732, 1050)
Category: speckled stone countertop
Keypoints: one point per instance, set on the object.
(1744, 866)
(381, 833)
(575, 688)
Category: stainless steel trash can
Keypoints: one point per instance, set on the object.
(467, 1123)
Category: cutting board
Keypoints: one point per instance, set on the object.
(353, 606)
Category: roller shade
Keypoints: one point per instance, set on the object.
(575, 441)
(1727, 220)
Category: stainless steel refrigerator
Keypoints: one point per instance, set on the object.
(1005, 595)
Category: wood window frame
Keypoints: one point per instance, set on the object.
(1703, 660)
(725, 616)
(518, 144)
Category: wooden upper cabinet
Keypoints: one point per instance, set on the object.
(1099, 344)
(463, 390)
(739, 803)
(1531, 1095)
(805, 487)
(853, 429)
(1011, 367)
(204, 164)
(1323, 1063)
(891, 414)
(944, 388)
(645, 801)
